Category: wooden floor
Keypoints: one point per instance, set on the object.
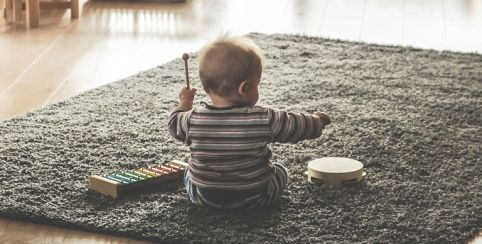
(114, 39)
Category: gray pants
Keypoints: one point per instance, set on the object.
(261, 198)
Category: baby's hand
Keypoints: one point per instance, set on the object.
(186, 97)
(324, 117)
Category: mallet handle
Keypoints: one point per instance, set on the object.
(185, 57)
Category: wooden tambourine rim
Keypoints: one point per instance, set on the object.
(336, 175)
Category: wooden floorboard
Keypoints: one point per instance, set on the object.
(3, 225)
(15, 231)
(25, 232)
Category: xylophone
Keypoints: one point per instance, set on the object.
(116, 184)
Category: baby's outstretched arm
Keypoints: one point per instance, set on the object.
(178, 120)
(324, 117)
(294, 127)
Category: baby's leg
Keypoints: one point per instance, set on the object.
(191, 190)
(276, 186)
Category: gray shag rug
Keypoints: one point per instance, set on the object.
(412, 116)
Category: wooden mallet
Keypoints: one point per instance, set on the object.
(185, 57)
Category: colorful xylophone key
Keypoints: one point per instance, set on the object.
(116, 184)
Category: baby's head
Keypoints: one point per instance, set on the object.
(230, 69)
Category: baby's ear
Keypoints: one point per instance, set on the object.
(243, 88)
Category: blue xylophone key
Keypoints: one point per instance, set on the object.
(124, 178)
(132, 178)
(114, 178)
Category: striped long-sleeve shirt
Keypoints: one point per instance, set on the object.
(229, 146)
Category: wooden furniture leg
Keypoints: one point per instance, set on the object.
(33, 13)
(32, 9)
(74, 9)
(8, 11)
(17, 10)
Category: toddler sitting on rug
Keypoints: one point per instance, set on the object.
(230, 164)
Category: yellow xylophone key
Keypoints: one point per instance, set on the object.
(149, 172)
(142, 173)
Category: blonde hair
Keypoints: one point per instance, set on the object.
(226, 62)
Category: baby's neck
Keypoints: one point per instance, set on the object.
(221, 102)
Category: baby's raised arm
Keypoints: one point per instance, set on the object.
(178, 120)
(294, 127)
(186, 97)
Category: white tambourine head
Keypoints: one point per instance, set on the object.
(335, 170)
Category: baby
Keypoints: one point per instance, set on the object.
(230, 164)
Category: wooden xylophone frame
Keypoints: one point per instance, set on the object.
(117, 184)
